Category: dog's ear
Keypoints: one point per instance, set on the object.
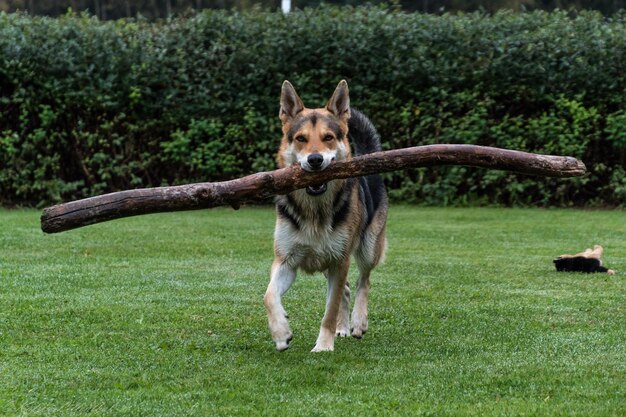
(339, 103)
(290, 103)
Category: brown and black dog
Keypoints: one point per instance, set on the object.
(318, 228)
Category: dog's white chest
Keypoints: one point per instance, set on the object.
(311, 249)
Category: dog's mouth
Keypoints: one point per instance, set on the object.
(315, 190)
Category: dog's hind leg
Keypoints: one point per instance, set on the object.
(282, 278)
(359, 314)
(368, 255)
(343, 321)
(337, 278)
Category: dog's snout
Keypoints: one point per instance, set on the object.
(315, 160)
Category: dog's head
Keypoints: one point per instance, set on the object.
(314, 138)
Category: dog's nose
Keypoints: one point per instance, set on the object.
(315, 160)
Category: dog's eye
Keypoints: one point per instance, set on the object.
(328, 138)
(300, 138)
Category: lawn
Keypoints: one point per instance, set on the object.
(163, 315)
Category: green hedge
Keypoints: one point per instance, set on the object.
(89, 107)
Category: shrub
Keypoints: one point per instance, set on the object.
(89, 107)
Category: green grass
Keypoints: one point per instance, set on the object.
(163, 315)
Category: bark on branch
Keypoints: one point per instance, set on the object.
(258, 187)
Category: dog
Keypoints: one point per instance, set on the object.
(318, 228)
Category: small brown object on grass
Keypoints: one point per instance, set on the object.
(587, 261)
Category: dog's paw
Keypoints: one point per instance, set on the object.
(342, 331)
(358, 332)
(325, 341)
(323, 348)
(282, 345)
(359, 327)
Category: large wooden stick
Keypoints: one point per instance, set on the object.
(260, 186)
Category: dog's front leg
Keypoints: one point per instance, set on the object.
(337, 277)
(282, 278)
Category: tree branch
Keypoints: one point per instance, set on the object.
(258, 187)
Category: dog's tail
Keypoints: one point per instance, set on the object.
(362, 133)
